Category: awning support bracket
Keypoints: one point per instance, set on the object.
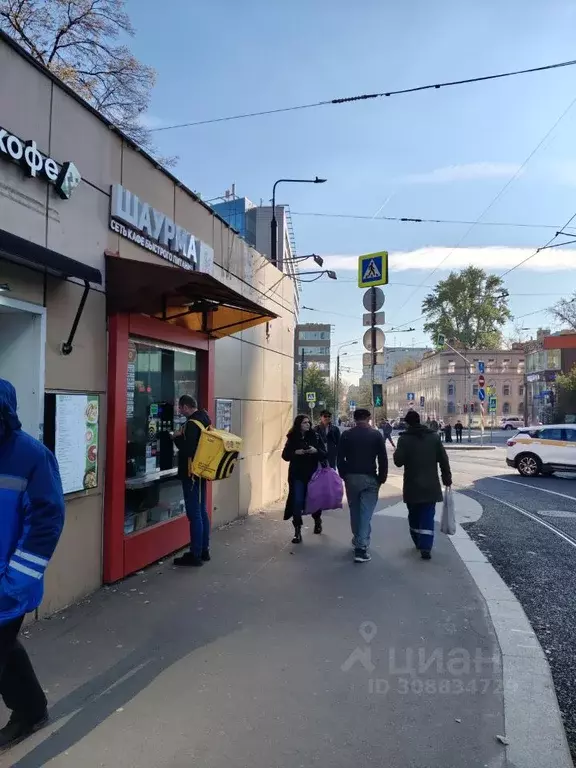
(67, 346)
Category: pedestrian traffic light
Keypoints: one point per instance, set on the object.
(377, 395)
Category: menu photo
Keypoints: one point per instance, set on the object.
(77, 441)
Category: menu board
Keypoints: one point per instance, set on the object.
(224, 415)
(76, 441)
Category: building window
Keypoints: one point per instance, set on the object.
(313, 335)
(314, 351)
(451, 388)
(521, 407)
(506, 390)
(451, 407)
(451, 366)
(157, 377)
(505, 363)
(506, 408)
(521, 390)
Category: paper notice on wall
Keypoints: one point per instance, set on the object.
(224, 415)
(131, 379)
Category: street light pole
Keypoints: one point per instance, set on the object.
(274, 222)
(468, 364)
(337, 382)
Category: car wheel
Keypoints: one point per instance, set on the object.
(508, 426)
(528, 465)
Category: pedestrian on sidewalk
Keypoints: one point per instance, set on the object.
(330, 436)
(448, 433)
(387, 433)
(32, 518)
(363, 465)
(193, 488)
(458, 428)
(420, 452)
(304, 450)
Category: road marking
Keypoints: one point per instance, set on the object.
(535, 487)
(536, 519)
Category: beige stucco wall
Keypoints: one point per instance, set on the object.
(253, 368)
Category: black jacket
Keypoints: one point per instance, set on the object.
(359, 450)
(330, 441)
(187, 441)
(420, 452)
(301, 467)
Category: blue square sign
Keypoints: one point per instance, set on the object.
(373, 269)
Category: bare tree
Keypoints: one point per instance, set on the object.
(77, 41)
(565, 312)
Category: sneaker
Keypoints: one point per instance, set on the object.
(206, 555)
(361, 556)
(426, 554)
(17, 730)
(188, 560)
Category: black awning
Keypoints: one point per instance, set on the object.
(21, 251)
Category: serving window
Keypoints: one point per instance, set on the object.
(157, 376)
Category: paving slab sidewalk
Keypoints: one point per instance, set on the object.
(276, 655)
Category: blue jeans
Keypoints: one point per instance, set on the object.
(362, 494)
(197, 514)
(421, 522)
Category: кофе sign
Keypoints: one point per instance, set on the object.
(139, 222)
(65, 177)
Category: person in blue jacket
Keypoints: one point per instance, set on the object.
(31, 521)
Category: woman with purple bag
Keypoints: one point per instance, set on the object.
(304, 451)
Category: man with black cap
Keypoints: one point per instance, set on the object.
(420, 452)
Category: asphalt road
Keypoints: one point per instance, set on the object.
(528, 532)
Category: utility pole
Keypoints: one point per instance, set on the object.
(302, 377)
(443, 343)
(373, 352)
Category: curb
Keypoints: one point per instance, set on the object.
(533, 723)
(449, 447)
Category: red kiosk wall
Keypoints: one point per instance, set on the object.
(126, 554)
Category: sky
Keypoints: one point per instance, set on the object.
(501, 152)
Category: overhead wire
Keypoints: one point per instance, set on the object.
(542, 248)
(495, 200)
(417, 220)
(366, 96)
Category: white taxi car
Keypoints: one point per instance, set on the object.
(511, 422)
(543, 450)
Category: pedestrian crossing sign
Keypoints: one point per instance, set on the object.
(373, 269)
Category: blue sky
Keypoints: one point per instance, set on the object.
(440, 154)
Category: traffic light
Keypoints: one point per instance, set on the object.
(471, 407)
(377, 395)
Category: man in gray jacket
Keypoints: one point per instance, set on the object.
(363, 465)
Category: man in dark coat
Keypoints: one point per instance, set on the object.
(330, 436)
(420, 452)
(458, 427)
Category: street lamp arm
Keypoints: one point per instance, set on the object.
(457, 353)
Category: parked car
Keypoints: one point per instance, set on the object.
(543, 450)
(511, 422)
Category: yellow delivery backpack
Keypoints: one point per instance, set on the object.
(216, 455)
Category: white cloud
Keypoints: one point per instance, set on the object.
(497, 258)
(466, 172)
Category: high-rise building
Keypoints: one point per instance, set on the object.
(312, 346)
(252, 222)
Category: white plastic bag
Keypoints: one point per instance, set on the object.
(448, 522)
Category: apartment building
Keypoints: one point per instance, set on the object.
(449, 384)
(393, 356)
(312, 346)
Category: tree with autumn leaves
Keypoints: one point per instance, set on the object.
(79, 41)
